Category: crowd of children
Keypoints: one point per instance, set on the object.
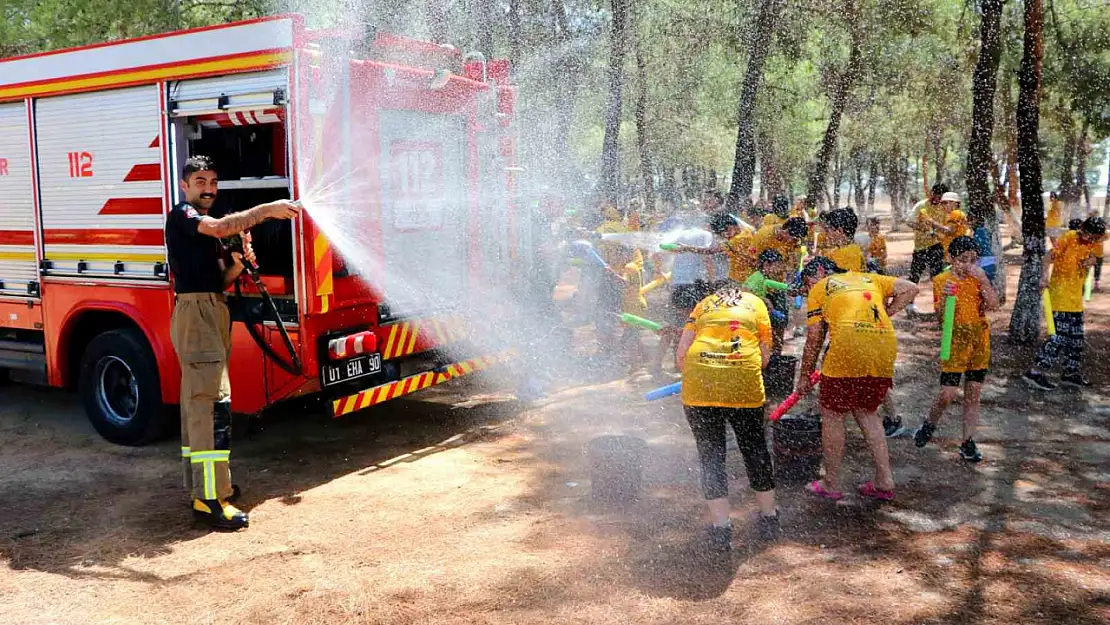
(731, 286)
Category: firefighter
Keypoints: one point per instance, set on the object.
(201, 332)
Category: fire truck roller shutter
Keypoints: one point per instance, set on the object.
(100, 174)
(18, 268)
(425, 209)
(255, 90)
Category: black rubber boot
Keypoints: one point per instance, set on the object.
(219, 514)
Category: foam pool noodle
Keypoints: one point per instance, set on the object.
(633, 320)
(665, 391)
(585, 249)
(946, 331)
(655, 284)
(794, 398)
(669, 247)
(1089, 285)
(1049, 322)
(776, 285)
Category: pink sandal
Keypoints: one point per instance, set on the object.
(867, 489)
(815, 488)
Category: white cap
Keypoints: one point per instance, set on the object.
(950, 197)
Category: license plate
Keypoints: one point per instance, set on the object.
(351, 369)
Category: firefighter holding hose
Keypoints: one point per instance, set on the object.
(201, 332)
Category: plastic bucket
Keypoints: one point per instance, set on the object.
(616, 467)
(778, 377)
(797, 448)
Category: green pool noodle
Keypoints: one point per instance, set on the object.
(633, 320)
(776, 285)
(1089, 285)
(949, 321)
(669, 247)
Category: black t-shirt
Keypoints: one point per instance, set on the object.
(194, 257)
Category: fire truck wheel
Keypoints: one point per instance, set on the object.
(120, 389)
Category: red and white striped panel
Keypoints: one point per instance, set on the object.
(353, 345)
(275, 115)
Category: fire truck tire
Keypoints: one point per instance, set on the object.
(120, 389)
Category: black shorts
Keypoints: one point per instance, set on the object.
(931, 258)
(953, 379)
(781, 303)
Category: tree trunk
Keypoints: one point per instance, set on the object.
(481, 9)
(1106, 200)
(861, 192)
(838, 179)
(983, 87)
(872, 173)
(743, 169)
(839, 101)
(610, 151)
(641, 128)
(1082, 151)
(567, 78)
(435, 13)
(514, 32)
(770, 178)
(1067, 191)
(1025, 321)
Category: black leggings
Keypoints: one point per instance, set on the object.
(930, 259)
(708, 425)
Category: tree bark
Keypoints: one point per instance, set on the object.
(514, 32)
(610, 151)
(743, 169)
(641, 128)
(839, 101)
(861, 192)
(567, 75)
(872, 174)
(838, 179)
(1026, 318)
(481, 9)
(1082, 151)
(983, 87)
(435, 12)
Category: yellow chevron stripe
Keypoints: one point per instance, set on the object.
(437, 330)
(412, 339)
(400, 345)
(364, 399)
(389, 342)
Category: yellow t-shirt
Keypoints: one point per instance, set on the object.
(960, 229)
(862, 342)
(969, 299)
(1065, 285)
(612, 253)
(928, 238)
(848, 257)
(631, 300)
(771, 219)
(1054, 218)
(724, 368)
(766, 238)
(740, 260)
(877, 250)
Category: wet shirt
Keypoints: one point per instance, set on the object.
(847, 257)
(1054, 218)
(724, 367)
(632, 301)
(612, 253)
(927, 210)
(959, 229)
(1068, 273)
(194, 257)
(862, 342)
(691, 267)
(766, 238)
(738, 249)
(969, 300)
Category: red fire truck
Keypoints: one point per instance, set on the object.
(91, 143)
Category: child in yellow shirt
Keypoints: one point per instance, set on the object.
(971, 342)
(876, 250)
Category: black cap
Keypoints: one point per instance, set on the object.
(959, 245)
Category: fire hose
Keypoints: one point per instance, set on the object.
(292, 365)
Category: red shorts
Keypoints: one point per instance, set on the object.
(848, 394)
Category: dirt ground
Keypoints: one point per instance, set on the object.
(469, 507)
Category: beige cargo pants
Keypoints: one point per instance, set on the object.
(201, 332)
